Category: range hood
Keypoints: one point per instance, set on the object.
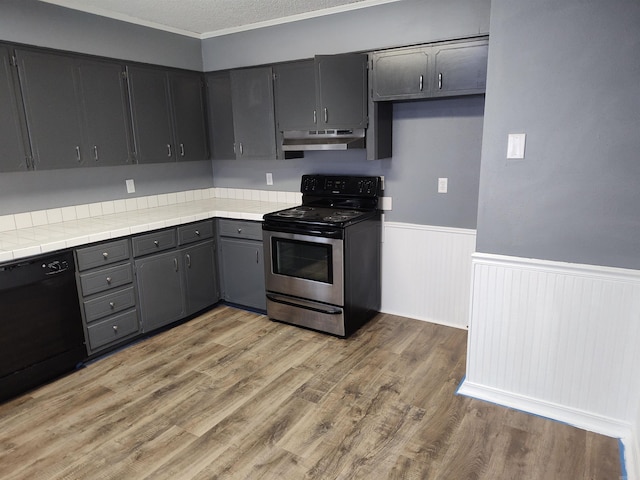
(295, 141)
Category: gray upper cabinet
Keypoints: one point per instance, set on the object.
(52, 109)
(438, 70)
(151, 114)
(188, 103)
(220, 115)
(326, 93)
(106, 118)
(168, 114)
(253, 113)
(75, 109)
(14, 155)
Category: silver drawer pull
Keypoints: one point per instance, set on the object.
(112, 305)
(197, 233)
(156, 243)
(239, 230)
(115, 328)
(109, 280)
(440, 81)
(105, 255)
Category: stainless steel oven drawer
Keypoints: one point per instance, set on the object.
(240, 229)
(106, 279)
(154, 242)
(104, 254)
(109, 304)
(113, 329)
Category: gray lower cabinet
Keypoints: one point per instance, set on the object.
(107, 294)
(175, 273)
(14, 154)
(436, 70)
(242, 263)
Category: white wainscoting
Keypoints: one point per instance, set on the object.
(558, 340)
(426, 272)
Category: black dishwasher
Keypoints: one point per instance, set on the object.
(41, 334)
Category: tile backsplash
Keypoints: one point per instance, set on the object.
(77, 212)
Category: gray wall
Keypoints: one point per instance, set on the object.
(41, 24)
(567, 74)
(440, 138)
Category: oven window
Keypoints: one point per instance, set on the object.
(308, 260)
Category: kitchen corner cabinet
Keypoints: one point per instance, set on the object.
(75, 110)
(326, 93)
(167, 110)
(176, 273)
(14, 155)
(242, 263)
(437, 70)
(253, 113)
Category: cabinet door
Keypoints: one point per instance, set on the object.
(220, 110)
(461, 69)
(187, 96)
(401, 75)
(13, 154)
(160, 290)
(52, 109)
(243, 272)
(253, 113)
(341, 91)
(104, 102)
(152, 127)
(295, 96)
(200, 276)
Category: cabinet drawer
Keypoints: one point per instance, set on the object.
(104, 254)
(241, 229)
(194, 232)
(106, 279)
(109, 304)
(113, 329)
(154, 242)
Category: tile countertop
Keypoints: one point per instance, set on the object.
(58, 233)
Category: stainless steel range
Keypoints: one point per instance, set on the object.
(322, 258)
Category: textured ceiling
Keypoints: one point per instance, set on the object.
(208, 18)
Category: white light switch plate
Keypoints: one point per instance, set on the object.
(443, 185)
(131, 186)
(515, 145)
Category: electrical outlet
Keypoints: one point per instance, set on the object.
(443, 185)
(269, 179)
(131, 186)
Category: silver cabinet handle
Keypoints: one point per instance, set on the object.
(239, 230)
(421, 82)
(182, 149)
(175, 263)
(197, 233)
(112, 305)
(315, 117)
(95, 153)
(105, 255)
(257, 256)
(156, 243)
(326, 115)
(78, 154)
(109, 280)
(168, 149)
(440, 81)
(188, 261)
(115, 328)
(241, 149)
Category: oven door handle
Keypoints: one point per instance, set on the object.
(294, 302)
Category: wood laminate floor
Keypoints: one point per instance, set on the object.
(233, 395)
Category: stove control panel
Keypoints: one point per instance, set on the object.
(340, 185)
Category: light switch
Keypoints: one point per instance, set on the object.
(515, 145)
(131, 186)
(443, 185)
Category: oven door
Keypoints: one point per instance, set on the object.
(304, 266)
